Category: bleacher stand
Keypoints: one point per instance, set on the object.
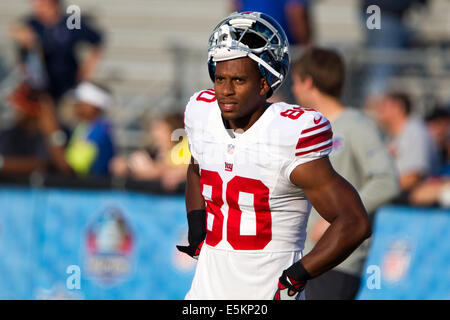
(155, 53)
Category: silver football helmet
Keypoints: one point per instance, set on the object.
(255, 35)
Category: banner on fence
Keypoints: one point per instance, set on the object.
(92, 245)
(409, 256)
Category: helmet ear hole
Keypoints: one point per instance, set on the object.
(212, 69)
(269, 91)
(265, 75)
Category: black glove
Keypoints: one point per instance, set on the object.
(197, 233)
(292, 282)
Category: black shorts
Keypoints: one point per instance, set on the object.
(333, 285)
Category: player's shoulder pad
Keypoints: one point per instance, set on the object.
(304, 128)
(199, 103)
(203, 98)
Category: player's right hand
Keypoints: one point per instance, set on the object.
(197, 233)
(192, 250)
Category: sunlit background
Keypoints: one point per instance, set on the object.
(153, 58)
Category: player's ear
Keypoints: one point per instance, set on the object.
(264, 87)
(309, 82)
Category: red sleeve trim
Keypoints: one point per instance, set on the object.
(328, 145)
(314, 139)
(316, 127)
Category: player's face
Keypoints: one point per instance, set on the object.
(44, 8)
(240, 90)
(85, 111)
(387, 112)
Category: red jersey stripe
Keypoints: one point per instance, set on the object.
(328, 145)
(316, 127)
(309, 141)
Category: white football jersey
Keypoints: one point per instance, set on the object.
(256, 217)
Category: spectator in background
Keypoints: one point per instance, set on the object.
(359, 155)
(91, 146)
(435, 191)
(48, 48)
(22, 146)
(292, 15)
(438, 123)
(35, 142)
(393, 34)
(432, 192)
(166, 160)
(409, 141)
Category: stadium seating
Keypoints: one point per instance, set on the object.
(156, 50)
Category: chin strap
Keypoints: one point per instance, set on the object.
(268, 67)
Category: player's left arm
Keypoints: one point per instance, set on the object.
(338, 203)
(94, 53)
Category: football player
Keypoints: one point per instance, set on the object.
(256, 170)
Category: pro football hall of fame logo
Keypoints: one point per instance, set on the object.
(109, 245)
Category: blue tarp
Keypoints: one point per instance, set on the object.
(409, 256)
(121, 243)
(57, 243)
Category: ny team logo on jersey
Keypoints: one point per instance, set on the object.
(228, 166)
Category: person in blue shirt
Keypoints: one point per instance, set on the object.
(91, 146)
(47, 48)
(292, 15)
